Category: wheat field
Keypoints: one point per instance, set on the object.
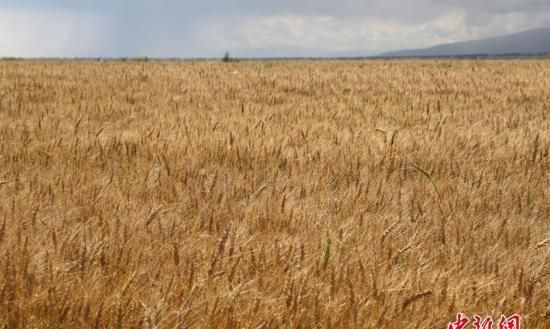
(330, 194)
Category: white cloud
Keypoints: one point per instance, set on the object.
(310, 35)
(329, 34)
(483, 24)
(52, 33)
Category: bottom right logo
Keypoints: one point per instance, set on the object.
(505, 322)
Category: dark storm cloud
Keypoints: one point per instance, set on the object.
(404, 9)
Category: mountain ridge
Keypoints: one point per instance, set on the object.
(530, 42)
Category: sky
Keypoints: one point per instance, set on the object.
(252, 28)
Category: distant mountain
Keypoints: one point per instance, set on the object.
(532, 42)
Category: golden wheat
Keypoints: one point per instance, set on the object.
(378, 194)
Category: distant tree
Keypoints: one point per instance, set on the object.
(226, 58)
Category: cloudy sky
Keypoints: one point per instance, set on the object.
(207, 28)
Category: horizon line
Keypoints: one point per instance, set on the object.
(268, 58)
